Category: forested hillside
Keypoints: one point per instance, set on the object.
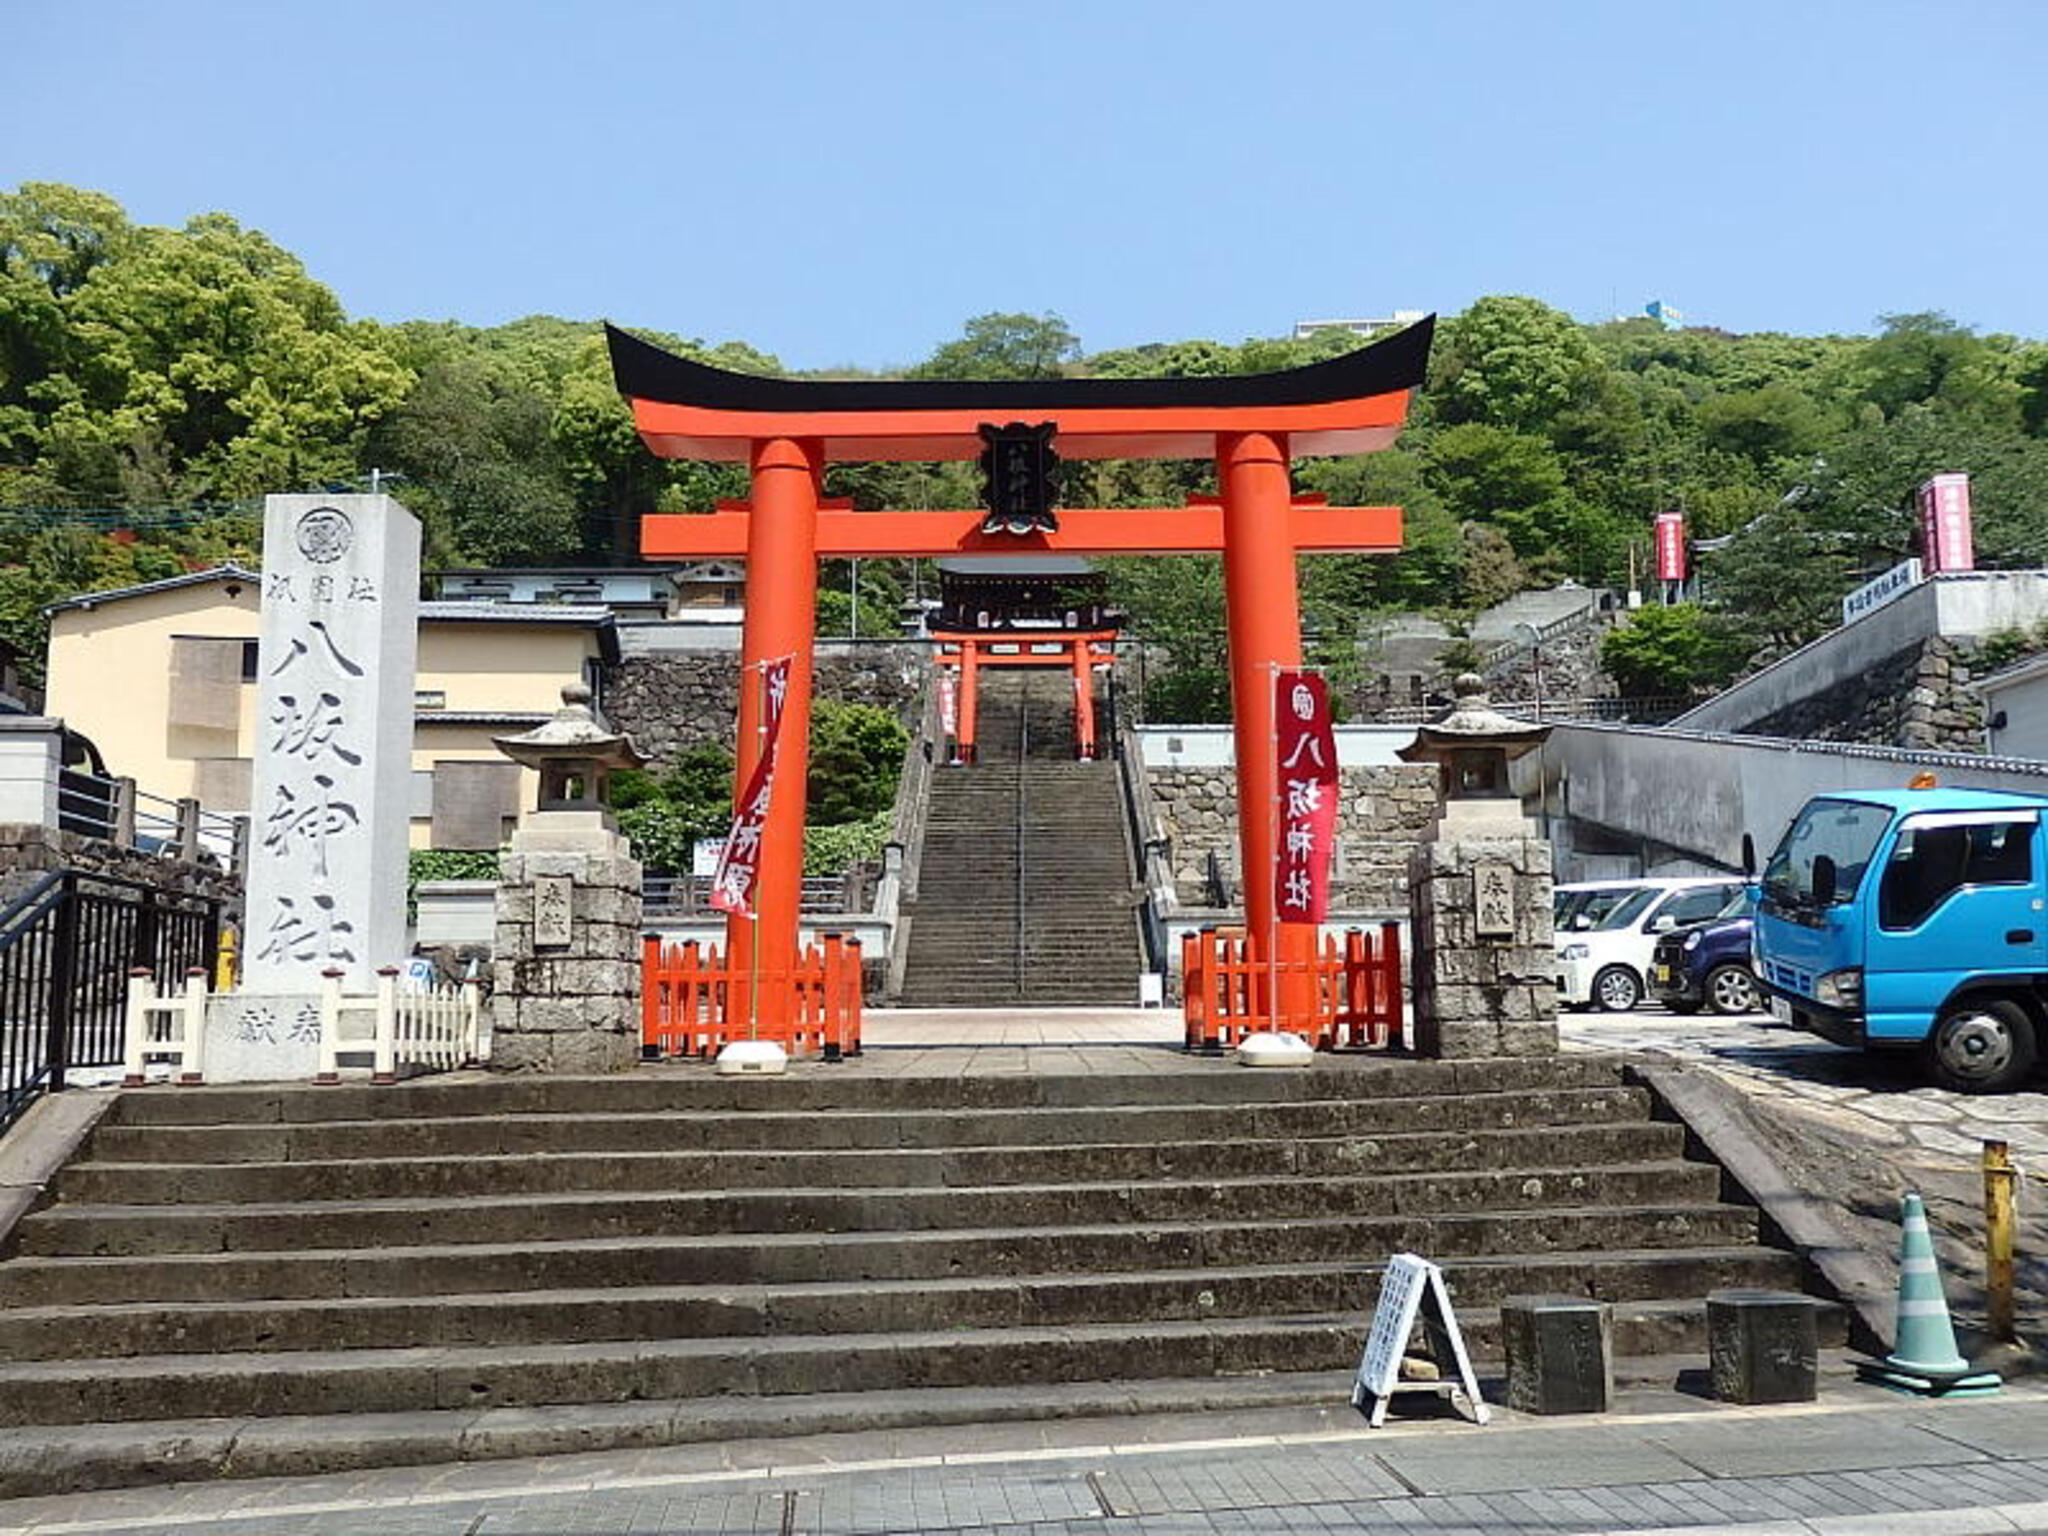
(155, 382)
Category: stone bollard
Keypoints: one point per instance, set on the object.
(1763, 1346)
(1558, 1356)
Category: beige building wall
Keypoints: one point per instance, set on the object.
(110, 677)
(155, 681)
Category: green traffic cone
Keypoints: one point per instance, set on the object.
(1924, 1357)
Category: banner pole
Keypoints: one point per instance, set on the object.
(754, 915)
(1273, 840)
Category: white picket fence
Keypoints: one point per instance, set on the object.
(432, 1029)
(164, 1028)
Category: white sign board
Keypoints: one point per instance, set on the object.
(705, 855)
(1873, 595)
(1413, 1289)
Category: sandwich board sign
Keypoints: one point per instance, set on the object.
(1412, 1290)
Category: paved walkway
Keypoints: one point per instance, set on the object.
(1858, 1463)
(1882, 1090)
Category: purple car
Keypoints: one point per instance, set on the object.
(1706, 964)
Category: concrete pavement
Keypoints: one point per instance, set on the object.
(1860, 1462)
(1882, 1093)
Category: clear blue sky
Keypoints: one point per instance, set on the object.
(847, 183)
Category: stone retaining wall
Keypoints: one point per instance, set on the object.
(672, 701)
(1380, 817)
(29, 852)
(1918, 697)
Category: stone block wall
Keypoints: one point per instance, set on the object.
(1382, 811)
(1473, 996)
(672, 701)
(571, 1007)
(29, 852)
(1918, 697)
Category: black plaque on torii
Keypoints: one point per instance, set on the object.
(1020, 478)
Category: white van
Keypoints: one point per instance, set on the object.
(1604, 940)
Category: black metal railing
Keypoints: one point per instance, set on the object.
(66, 947)
(690, 895)
(115, 811)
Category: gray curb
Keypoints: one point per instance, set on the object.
(40, 1143)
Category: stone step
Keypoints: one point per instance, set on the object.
(798, 1256)
(208, 1228)
(163, 1183)
(737, 1312)
(62, 1459)
(104, 1391)
(1364, 1077)
(471, 1135)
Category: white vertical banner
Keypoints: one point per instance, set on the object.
(330, 802)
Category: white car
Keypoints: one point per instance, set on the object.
(1604, 941)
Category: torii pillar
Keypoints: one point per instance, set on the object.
(1259, 587)
(781, 620)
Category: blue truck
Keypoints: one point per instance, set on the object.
(1913, 919)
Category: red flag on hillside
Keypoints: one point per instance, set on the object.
(1308, 797)
(739, 862)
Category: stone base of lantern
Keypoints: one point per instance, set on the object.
(1479, 991)
(565, 970)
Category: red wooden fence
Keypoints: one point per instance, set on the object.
(693, 1004)
(1225, 990)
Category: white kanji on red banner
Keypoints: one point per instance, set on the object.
(739, 864)
(1307, 762)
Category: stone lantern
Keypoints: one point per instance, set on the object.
(1483, 962)
(575, 753)
(565, 958)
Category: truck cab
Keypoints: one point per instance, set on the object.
(1913, 919)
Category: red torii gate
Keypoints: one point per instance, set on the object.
(787, 430)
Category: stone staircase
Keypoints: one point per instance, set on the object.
(288, 1280)
(1025, 893)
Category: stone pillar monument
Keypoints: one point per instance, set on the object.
(565, 968)
(1482, 962)
(332, 778)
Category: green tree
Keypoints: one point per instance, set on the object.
(1511, 361)
(664, 818)
(1513, 480)
(1004, 346)
(1927, 358)
(1678, 649)
(856, 758)
(1177, 609)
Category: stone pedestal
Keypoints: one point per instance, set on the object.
(1483, 964)
(565, 971)
(1557, 1349)
(1763, 1346)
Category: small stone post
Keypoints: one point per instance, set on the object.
(1483, 963)
(565, 965)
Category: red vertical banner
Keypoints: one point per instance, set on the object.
(1671, 546)
(949, 701)
(1307, 762)
(1945, 532)
(739, 864)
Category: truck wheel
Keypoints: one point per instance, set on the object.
(1616, 989)
(1731, 989)
(1981, 1045)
